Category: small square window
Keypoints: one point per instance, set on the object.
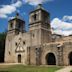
(19, 25)
(16, 32)
(33, 35)
(9, 53)
(35, 17)
(23, 42)
(20, 39)
(58, 48)
(16, 43)
(11, 25)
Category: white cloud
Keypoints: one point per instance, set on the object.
(59, 24)
(35, 2)
(61, 27)
(11, 18)
(17, 4)
(67, 18)
(3, 16)
(64, 33)
(8, 9)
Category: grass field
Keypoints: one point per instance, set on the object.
(22, 68)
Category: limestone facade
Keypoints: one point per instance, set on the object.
(38, 46)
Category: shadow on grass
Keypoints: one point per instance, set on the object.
(4, 71)
(22, 68)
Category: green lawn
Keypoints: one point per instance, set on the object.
(22, 68)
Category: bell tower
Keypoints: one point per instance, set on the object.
(16, 25)
(39, 21)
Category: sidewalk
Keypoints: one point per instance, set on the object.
(66, 69)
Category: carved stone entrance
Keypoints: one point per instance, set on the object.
(19, 58)
(50, 59)
(70, 58)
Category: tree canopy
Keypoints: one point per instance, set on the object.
(2, 46)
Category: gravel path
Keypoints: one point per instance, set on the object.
(9, 63)
(66, 69)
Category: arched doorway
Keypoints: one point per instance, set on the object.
(70, 58)
(19, 58)
(50, 59)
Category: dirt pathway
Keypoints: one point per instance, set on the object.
(66, 69)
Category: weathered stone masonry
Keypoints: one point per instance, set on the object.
(38, 46)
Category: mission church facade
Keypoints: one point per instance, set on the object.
(38, 46)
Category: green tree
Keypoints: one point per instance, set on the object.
(2, 46)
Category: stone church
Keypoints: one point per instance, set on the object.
(38, 46)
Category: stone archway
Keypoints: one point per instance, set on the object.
(50, 59)
(19, 58)
(70, 58)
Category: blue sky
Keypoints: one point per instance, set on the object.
(60, 11)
